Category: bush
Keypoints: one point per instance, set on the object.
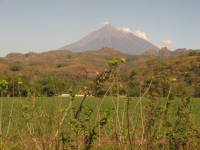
(197, 92)
(134, 89)
(194, 53)
(15, 67)
(50, 86)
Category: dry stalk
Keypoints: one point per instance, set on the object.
(10, 118)
(34, 139)
(1, 117)
(117, 108)
(80, 106)
(142, 119)
(161, 121)
(99, 107)
(139, 102)
(63, 118)
(128, 124)
(123, 113)
(141, 111)
(1, 123)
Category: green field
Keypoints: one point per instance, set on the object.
(52, 105)
(28, 122)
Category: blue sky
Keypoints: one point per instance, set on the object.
(41, 25)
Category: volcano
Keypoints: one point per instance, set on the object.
(109, 36)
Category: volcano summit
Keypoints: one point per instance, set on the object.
(109, 36)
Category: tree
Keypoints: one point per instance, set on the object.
(3, 87)
(15, 67)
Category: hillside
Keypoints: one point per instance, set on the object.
(66, 69)
(82, 63)
(65, 62)
(182, 72)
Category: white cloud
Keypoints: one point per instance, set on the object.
(137, 33)
(106, 22)
(165, 43)
(141, 34)
(125, 30)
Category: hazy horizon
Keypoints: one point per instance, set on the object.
(47, 25)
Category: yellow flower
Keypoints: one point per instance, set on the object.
(123, 60)
(173, 79)
(20, 82)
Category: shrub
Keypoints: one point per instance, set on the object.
(15, 67)
(50, 86)
(194, 53)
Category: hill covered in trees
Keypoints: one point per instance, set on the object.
(54, 72)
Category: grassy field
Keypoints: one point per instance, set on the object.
(51, 105)
(34, 122)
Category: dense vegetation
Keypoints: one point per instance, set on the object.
(161, 116)
(68, 71)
